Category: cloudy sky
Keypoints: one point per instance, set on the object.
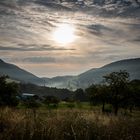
(27, 38)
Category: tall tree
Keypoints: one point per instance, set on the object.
(98, 94)
(8, 92)
(117, 82)
(103, 95)
(79, 95)
(91, 92)
(134, 96)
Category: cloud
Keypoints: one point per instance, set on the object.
(98, 28)
(31, 60)
(33, 47)
(26, 39)
(137, 39)
(39, 59)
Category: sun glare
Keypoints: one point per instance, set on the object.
(64, 34)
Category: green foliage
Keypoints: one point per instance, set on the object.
(51, 101)
(116, 91)
(31, 103)
(80, 95)
(71, 105)
(8, 92)
(108, 108)
(91, 93)
(98, 94)
(79, 104)
(133, 95)
(117, 79)
(118, 85)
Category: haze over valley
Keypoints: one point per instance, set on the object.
(83, 80)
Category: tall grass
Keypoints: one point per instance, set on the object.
(66, 124)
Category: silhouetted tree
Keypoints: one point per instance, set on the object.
(103, 95)
(91, 93)
(98, 94)
(8, 92)
(118, 84)
(79, 95)
(134, 95)
(51, 100)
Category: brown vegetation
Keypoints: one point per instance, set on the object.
(66, 124)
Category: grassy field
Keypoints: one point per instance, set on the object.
(67, 124)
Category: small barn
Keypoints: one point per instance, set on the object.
(28, 96)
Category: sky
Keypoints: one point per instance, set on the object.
(29, 38)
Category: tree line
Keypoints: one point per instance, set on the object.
(116, 90)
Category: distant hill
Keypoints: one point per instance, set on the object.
(73, 82)
(132, 66)
(28, 81)
(19, 74)
(96, 75)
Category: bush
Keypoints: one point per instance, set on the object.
(108, 108)
(70, 105)
(8, 92)
(51, 101)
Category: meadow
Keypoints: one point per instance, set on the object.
(49, 118)
(67, 123)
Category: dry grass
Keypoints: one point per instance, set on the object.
(66, 125)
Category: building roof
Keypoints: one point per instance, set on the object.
(27, 94)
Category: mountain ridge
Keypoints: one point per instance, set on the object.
(83, 80)
(16, 73)
(95, 75)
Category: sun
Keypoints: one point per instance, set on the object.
(64, 34)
